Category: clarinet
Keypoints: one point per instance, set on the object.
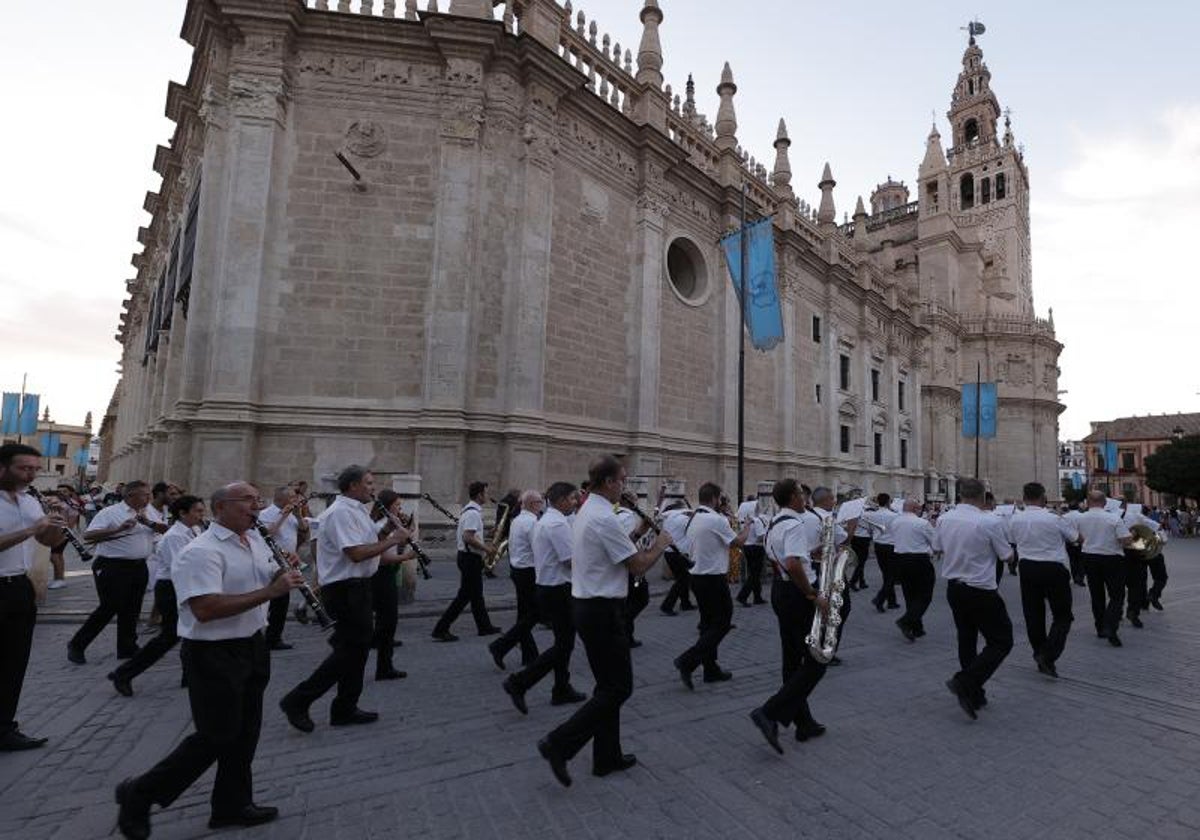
(75, 542)
(422, 557)
(310, 597)
(631, 503)
(439, 508)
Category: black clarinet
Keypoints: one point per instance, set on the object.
(422, 557)
(75, 542)
(310, 597)
(631, 503)
(439, 508)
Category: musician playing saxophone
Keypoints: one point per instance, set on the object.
(795, 600)
(471, 550)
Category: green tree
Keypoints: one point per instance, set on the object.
(1175, 468)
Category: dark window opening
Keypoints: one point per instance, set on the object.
(845, 438)
(900, 395)
(971, 132)
(816, 328)
(1127, 461)
(966, 190)
(818, 394)
(985, 191)
(875, 386)
(878, 449)
(1000, 186)
(844, 372)
(903, 454)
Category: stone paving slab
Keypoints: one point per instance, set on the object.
(1109, 750)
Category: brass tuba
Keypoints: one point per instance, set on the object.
(836, 567)
(1147, 543)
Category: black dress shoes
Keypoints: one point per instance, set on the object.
(123, 685)
(564, 698)
(1045, 666)
(497, 655)
(297, 717)
(667, 611)
(248, 816)
(14, 740)
(718, 676)
(133, 816)
(685, 674)
(1157, 604)
(354, 718)
(1135, 620)
(280, 644)
(516, 694)
(75, 654)
(810, 729)
(390, 674)
(879, 606)
(627, 761)
(768, 728)
(687, 607)
(964, 698)
(444, 636)
(558, 764)
(1114, 640)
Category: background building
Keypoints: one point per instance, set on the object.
(1135, 437)
(513, 265)
(1072, 467)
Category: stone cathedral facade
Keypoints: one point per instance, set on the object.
(481, 242)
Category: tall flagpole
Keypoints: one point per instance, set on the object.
(978, 413)
(741, 388)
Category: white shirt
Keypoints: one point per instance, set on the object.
(520, 541)
(344, 525)
(788, 542)
(599, 548)
(17, 516)
(748, 513)
(853, 509)
(814, 519)
(552, 548)
(675, 523)
(470, 518)
(288, 535)
(628, 519)
(218, 563)
(1005, 514)
(172, 543)
(708, 540)
(1041, 535)
(135, 544)
(971, 541)
(1102, 532)
(880, 520)
(911, 534)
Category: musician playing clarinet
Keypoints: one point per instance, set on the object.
(348, 553)
(223, 580)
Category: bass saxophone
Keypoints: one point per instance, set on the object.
(836, 567)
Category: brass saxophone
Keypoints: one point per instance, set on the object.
(499, 538)
(836, 568)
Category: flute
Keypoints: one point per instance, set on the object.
(75, 542)
(310, 597)
(422, 557)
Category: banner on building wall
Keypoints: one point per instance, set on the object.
(10, 413)
(1109, 449)
(29, 414)
(764, 317)
(984, 424)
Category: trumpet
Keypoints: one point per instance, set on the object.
(422, 557)
(74, 540)
(310, 597)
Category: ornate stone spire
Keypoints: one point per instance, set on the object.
(860, 210)
(650, 57)
(689, 103)
(1008, 135)
(827, 213)
(782, 176)
(471, 8)
(935, 158)
(726, 117)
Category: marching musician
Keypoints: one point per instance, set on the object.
(223, 579)
(972, 541)
(524, 577)
(1041, 539)
(289, 531)
(795, 600)
(188, 513)
(912, 566)
(552, 563)
(71, 511)
(471, 551)
(639, 592)
(125, 533)
(755, 513)
(676, 515)
(1137, 567)
(708, 538)
(1104, 537)
(385, 591)
(602, 558)
(821, 508)
(850, 516)
(348, 552)
(878, 520)
(22, 519)
(1074, 551)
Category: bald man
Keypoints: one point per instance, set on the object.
(524, 578)
(913, 567)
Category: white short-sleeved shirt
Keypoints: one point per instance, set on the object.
(172, 543)
(853, 509)
(218, 562)
(135, 544)
(1041, 535)
(288, 535)
(552, 548)
(470, 518)
(1102, 532)
(879, 520)
(629, 520)
(675, 523)
(708, 540)
(971, 541)
(17, 516)
(748, 513)
(813, 521)
(788, 542)
(520, 541)
(912, 534)
(344, 525)
(599, 547)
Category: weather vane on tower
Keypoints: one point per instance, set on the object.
(974, 28)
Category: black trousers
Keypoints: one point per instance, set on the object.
(121, 586)
(979, 612)
(600, 623)
(1137, 573)
(1075, 556)
(470, 591)
(1045, 583)
(168, 635)
(277, 610)
(635, 602)
(801, 673)
(349, 604)
(554, 606)
(521, 633)
(885, 555)
(1106, 584)
(385, 602)
(681, 587)
(1158, 573)
(18, 615)
(756, 557)
(914, 573)
(226, 681)
(716, 618)
(860, 546)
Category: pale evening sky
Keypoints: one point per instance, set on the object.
(1102, 94)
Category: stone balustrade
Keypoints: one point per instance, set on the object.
(609, 69)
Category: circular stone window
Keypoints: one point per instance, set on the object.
(686, 271)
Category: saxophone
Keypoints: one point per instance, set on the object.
(836, 567)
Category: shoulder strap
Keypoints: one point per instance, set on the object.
(777, 520)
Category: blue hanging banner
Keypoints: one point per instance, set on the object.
(764, 318)
(81, 457)
(983, 425)
(1110, 456)
(49, 442)
(10, 413)
(29, 414)
(1076, 481)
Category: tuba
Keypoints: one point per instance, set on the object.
(836, 567)
(1147, 543)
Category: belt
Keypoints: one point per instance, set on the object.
(354, 581)
(12, 578)
(123, 559)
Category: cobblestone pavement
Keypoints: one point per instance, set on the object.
(1109, 750)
